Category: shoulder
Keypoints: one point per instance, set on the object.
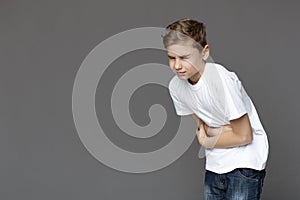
(225, 74)
(220, 76)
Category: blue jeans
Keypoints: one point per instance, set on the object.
(239, 184)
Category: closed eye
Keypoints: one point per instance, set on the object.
(181, 57)
(184, 57)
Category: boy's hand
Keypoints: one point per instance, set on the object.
(201, 134)
(237, 133)
(213, 131)
(204, 131)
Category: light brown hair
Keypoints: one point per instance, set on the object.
(184, 29)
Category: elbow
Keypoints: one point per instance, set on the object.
(247, 139)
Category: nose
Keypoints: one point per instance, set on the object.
(177, 65)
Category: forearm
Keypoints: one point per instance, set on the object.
(226, 139)
(237, 133)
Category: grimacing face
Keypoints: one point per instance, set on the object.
(186, 61)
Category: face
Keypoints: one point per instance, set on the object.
(186, 61)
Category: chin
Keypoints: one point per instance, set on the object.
(182, 77)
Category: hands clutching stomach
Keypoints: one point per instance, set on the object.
(204, 132)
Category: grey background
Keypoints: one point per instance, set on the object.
(42, 44)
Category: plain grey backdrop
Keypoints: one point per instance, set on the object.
(43, 43)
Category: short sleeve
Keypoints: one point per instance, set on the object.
(234, 99)
(180, 107)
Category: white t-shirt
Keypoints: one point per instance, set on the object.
(217, 98)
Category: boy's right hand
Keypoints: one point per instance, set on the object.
(213, 131)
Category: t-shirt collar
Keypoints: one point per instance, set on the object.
(199, 83)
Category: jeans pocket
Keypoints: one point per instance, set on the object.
(250, 174)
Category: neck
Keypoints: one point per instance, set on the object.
(195, 78)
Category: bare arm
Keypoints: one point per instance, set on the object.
(238, 133)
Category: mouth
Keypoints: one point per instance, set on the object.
(180, 73)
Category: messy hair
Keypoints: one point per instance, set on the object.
(183, 30)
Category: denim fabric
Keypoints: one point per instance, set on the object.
(239, 184)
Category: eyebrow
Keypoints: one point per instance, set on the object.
(183, 56)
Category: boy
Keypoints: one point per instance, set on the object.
(228, 126)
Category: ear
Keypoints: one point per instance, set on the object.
(205, 52)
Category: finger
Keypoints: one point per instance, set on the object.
(202, 130)
(198, 122)
(198, 130)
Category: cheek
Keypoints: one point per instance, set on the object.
(171, 64)
(196, 65)
(190, 67)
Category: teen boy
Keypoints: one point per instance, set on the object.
(228, 125)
